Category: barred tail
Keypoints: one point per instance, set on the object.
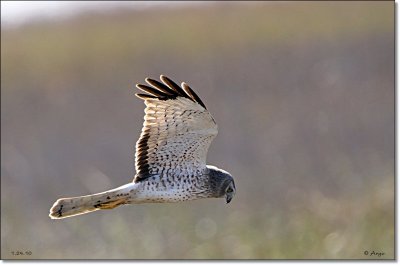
(67, 207)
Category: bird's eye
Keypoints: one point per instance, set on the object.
(229, 190)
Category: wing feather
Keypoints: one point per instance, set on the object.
(177, 131)
(144, 96)
(161, 87)
(193, 95)
(172, 85)
(151, 91)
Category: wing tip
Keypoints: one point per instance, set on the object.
(192, 94)
(145, 96)
(168, 89)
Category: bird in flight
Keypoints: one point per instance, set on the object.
(170, 155)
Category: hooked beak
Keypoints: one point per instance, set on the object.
(228, 198)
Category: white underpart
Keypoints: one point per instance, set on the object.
(164, 189)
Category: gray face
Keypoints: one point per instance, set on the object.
(221, 184)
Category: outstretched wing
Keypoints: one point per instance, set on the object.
(177, 131)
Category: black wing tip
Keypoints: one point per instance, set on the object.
(145, 96)
(192, 94)
(167, 89)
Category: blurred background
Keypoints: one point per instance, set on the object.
(303, 93)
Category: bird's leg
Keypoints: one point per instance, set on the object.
(110, 204)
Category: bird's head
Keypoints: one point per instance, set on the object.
(221, 183)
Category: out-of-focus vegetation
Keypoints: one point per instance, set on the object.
(304, 97)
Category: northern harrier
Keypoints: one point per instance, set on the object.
(170, 155)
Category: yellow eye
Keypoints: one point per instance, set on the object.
(229, 190)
